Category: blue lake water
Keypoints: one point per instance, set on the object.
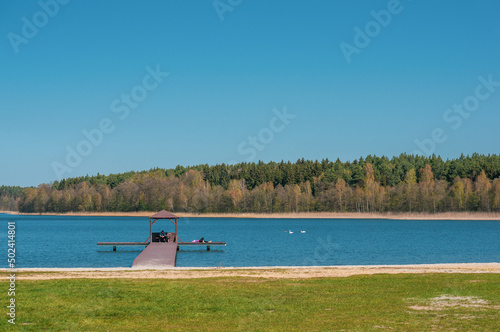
(60, 241)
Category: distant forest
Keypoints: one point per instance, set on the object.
(406, 183)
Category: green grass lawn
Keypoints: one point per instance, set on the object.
(368, 302)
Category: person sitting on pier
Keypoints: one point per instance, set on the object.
(162, 236)
(202, 240)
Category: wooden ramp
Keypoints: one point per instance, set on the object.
(157, 255)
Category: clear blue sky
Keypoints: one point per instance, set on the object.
(226, 77)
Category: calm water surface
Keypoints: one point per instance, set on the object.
(48, 241)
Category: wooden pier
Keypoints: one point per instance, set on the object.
(179, 244)
(194, 244)
(157, 253)
(115, 244)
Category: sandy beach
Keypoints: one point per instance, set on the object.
(300, 215)
(285, 272)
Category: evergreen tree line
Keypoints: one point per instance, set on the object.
(406, 183)
(9, 198)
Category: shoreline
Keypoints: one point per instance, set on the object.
(298, 215)
(266, 272)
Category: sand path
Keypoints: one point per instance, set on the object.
(253, 272)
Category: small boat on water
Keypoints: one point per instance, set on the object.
(290, 232)
(302, 231)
